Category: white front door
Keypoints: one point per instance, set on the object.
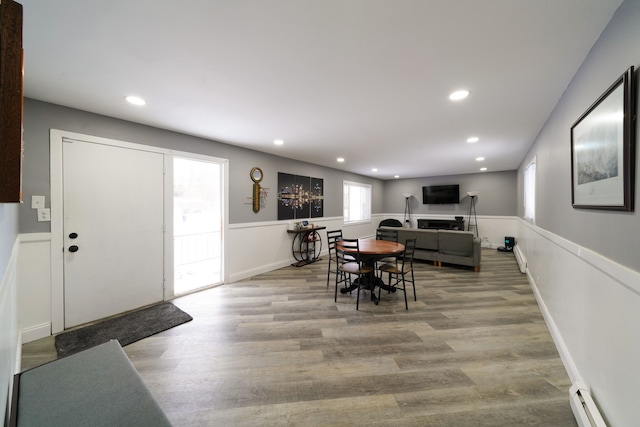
(113, 209)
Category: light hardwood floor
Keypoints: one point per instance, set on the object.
(277, 350)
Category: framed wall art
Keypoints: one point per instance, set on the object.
(300, 197)
(603, 150)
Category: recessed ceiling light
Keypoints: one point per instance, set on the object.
(473, 139)
(458, 95)
(374, 170)
(479, 159)
(483, 169)
(396, 176)
(340, 159)
(135, 100)
(278, 142)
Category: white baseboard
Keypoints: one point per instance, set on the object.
(36, 332)
(522, 261)
(561, 346)
(18, 361)
(241, 275)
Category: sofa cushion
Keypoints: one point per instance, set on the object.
(425, 239)
(457, 243)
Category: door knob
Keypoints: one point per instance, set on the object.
(73, 248)
(73, 235)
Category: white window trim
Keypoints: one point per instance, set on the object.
(529, 191)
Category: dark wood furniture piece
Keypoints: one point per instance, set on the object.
(306, 245)
(332, 237)
(11, 101)
(370, 252)
(441, 224)
(349, 263)
(389, 234)
(401, 269)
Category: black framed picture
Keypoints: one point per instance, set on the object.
(603, 150)
(299, 196)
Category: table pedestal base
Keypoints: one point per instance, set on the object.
(376, 282)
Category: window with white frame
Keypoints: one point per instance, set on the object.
(357, 201)
(530, 191)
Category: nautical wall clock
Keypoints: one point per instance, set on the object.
(256, 176)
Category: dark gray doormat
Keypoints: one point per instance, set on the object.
(127, 328)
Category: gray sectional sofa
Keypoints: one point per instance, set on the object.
(448, 246)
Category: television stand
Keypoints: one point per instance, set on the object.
(441, 224)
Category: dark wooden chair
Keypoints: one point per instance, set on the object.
(350, 264)
(332, 237)
(390, 222)
(400, 270)
(388, 235)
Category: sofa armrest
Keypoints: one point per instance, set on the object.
(477, 252)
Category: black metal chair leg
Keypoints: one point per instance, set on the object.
(404, 290)
(413, 283)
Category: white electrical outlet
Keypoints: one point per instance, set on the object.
(37, 202)
(44, 215)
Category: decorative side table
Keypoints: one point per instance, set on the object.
(306, 245)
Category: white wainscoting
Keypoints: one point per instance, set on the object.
(10, 345)
(592, 307)
(34, 292)
(258, 247)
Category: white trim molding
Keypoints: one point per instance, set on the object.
(10, 345)
(590, 304)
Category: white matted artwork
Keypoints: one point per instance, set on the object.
(603, 150)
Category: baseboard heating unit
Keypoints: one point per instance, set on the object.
(584, 408)
(522, 262)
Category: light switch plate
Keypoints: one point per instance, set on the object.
(44, 215)
(37, 202)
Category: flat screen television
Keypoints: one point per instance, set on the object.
(441, 194)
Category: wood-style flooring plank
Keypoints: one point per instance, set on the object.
(276, 349)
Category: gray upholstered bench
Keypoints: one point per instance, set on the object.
(96, 387)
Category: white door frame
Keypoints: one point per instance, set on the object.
(57, 221)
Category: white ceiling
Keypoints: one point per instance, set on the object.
(367, 80)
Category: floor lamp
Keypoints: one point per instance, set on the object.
(473, 219)
(407, 210)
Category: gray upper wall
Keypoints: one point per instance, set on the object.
(498, 190)
(615, 235)
(497, 194)
(40, 117)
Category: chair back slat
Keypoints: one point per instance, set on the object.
(332, 237)
(407, 255)
(387, 234)
(348, 250)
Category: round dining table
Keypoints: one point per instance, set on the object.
(371, 251)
